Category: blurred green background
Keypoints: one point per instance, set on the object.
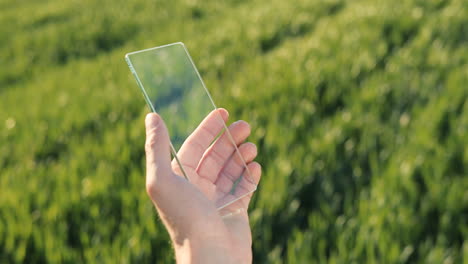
(359, 109)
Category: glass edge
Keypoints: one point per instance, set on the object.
(237, 198)
(155, 48)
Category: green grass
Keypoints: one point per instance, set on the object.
(359, 110)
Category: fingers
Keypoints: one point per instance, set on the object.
(196, 144)
(234, 170)
(218, 154)
(158, 155)
(245, 186)
(236, 165)
(256, 173)
(249, 184)
(248, 180)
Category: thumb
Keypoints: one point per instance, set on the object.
(158, 154)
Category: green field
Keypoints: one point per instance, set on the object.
(359, 109)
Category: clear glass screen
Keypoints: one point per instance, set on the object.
(172, 87)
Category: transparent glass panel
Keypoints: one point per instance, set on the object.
(173, 87)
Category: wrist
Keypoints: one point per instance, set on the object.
(203, 250)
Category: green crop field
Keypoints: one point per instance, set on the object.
(359, 110)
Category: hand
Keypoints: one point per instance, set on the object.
(199, 232)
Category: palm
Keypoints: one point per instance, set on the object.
(214, 169)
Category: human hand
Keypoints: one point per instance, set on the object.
(199, 232)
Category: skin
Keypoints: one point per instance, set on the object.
(199, 232)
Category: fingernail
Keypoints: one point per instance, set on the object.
(224, 111)
(152, 120)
